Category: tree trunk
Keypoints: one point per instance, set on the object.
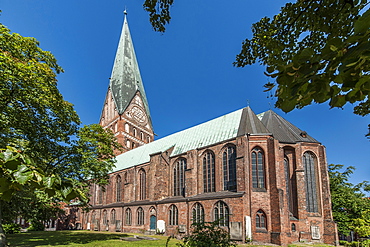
(2, 235)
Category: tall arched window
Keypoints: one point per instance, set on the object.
(86, 218)
(198, 213)
(221, 213)
(105, 219)
(258, 168)
(229, 168)
(261, 219)
(93, 217)
(209, 172)
(173, 216)
(287, 181)
(127, 127)
(179, 178)
(142, 184)
(113, 217)
(99, 195)
(140, 216)
(311, 183)
(128, 217)
(118, 188)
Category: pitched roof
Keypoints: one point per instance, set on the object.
(226, 127)
(283, 130)
(126, 80)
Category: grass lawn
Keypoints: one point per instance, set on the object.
(82, 238)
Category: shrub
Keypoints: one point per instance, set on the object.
(207, 234)
(11, 228)
(36, 226)
(343, 242)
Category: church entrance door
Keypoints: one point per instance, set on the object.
(153, 222)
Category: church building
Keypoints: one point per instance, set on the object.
(259, 176)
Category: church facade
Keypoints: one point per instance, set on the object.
(259, 176)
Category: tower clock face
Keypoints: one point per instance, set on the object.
(138, 114)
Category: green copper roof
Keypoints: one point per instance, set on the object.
(211, 132)
(125, 80)
(238, 123)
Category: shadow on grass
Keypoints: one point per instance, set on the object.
(60, 238)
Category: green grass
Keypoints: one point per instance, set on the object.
(81, 238)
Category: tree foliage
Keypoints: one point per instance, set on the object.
(349, 203)
(43, 149)
(316, 51)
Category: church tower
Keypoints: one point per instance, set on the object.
(126, 109)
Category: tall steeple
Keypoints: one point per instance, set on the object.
(126, 109)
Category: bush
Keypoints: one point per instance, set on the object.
(343, 242)
(36, 226)
(11, 228)
(207, 234)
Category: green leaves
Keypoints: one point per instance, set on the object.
(348, 201)
(24, 175)
(318, 51)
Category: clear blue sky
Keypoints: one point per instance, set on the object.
(187, 72)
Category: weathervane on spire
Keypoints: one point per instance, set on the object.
(125, 11)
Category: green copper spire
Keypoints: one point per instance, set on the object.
(125, 80)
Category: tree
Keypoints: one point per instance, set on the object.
(42, 146)
(348, 201)
(316, 51)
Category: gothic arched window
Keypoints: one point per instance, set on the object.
(118, 188)
(209, 172)
(179, 178)
(221, 213)
(142, 184)
(128, 217)
(261, 219)
(173, 216)
(140, 216)
(311, 184)
(198, 213)
(258, 168)
(229, 168)
(105, 218)
(113, 217)
(99, 195)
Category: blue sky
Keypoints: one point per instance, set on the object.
(187, 72)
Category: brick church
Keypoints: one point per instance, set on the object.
(260, 176)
